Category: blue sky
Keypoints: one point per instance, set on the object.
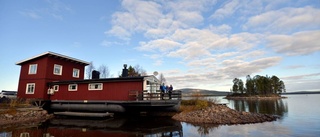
(195, 44)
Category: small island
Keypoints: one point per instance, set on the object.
(258, 87)
(209, 112)
(200, 111)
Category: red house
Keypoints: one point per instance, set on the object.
(59, 79)
(36, 72)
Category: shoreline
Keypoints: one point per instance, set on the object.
(254, 97)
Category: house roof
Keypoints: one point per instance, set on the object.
(49, 53)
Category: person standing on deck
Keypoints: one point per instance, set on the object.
(162, 89)
(167, 88)
(170, 91)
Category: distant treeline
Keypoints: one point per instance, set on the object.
(258, 85)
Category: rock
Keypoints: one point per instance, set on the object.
(8, 116)
(219, 114)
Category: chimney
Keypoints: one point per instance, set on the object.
(124, 71)
(95, 74)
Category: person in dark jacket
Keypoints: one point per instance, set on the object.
(162, 89)
(170, 91)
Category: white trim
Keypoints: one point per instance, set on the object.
(69, 89)
(54, 54)
(93, 84)
(57, 65)
(36, 66)
(27, 88)
(78, 73)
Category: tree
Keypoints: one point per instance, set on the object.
(162, 79)
(139, 70)
(250, 86)
(131, 72)
(241, 86)
(89, 70)
(104, 71)
(275, 83)
(136, 71)
(261, 85)
(235, 87)
(282, 87)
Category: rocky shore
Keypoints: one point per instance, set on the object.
(19, 116)
(221, 114)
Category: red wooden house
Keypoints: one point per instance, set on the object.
(59, 79)
(36, 72)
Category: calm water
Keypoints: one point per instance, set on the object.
(299, 116)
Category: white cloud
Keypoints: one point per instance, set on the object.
(228, 9)
(159, 44)
(53, 8)
(120, 32)
(294, 66)
(222, 29)
(31, 14)
(214, 53)
(297, 82)
(137, 16)
(285, 20)
(301, 43)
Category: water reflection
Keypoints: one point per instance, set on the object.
(203, 129)
(122, 126)
(274, 106)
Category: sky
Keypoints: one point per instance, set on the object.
(202, 44)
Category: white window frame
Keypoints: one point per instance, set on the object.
(77, 73)
(27, 88)
(92, 86)
(54, 68)
(56, 88)
(31, 70)
(70, 89)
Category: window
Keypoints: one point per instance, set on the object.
(73, 87)
(57, 70)
(95, 86)
(33, 69)
(30, 88)
(56, 87)
(75, 73)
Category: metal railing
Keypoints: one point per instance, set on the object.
(144, 95)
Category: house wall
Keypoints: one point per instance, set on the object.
(67, 69)
(111, 91)
(45, 66)
(38, 79)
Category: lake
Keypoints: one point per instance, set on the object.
(299, 116)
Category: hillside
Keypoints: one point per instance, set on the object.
(190, 91)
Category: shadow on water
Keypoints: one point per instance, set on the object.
(273, 106)
(119, 126)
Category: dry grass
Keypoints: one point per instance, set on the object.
(14, 103)
(197, 103)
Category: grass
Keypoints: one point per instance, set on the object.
(197, 103)
(14, 103)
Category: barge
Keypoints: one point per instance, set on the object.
(57, 81)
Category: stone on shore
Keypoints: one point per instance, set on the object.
(220, 114)
(11, 117)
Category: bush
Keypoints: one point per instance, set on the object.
(194, 104)
(201, 104)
